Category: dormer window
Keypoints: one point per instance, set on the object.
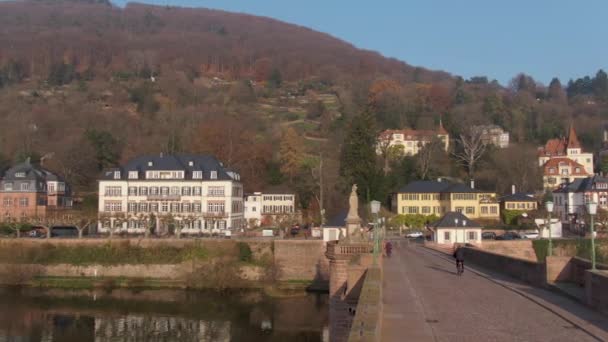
(191, 163)
(213, 175)
(8, 186)
(20, 175)
(116, 174)
(133, 174)
(150, 163)
(197, 175)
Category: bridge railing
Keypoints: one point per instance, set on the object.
(346, 249)
(367, 323)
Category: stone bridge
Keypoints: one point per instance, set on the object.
(416, 295)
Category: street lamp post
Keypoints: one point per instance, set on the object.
(549, 206)
(375, 209)
(592, 209)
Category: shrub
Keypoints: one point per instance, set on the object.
(245, 254)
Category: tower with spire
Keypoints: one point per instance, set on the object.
(563, 160)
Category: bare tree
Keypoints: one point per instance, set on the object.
(425, 157)
(471, 150)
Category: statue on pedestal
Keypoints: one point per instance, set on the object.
(353, 221)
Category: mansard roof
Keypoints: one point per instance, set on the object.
(583, 185)
(449, 221)
(177, 162)
(31, 171)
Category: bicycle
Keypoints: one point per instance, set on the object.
(459, 267)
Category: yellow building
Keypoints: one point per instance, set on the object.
(519, 201)
(441, 197)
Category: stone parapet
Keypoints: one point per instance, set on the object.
(367, 324)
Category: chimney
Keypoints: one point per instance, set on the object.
(513, 189)
(472, 183)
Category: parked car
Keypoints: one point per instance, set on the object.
(529, 235)
(488, 236)
(414, 235)
(509, 236)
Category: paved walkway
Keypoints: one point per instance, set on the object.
(424, 300)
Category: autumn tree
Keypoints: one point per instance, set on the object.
(426, 157)
(290, 153)
(556, 91)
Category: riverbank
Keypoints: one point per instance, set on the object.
(159, 263)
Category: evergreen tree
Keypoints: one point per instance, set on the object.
(290, 153)
(358, 157)
(600, 85)
(107, 148)
(556, 91)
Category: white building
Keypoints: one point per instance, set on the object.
(454, 227)
(409, 142)
(263, 209)
(193, 191)
(494, 135)
(570, 200)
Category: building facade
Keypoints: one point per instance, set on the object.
(263, 209)
(455, 227)
(409, 142)
(195, 192)
(518, 201)
(29, 190)
(440, 197)
(570, 200)
(564, 161)
(494, 135)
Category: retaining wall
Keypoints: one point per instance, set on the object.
(529, 271)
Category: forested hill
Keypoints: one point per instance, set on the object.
(88, 85)
(105, 39)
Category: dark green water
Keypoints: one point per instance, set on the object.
(160, 315)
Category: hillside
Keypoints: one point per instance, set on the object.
(88, 85)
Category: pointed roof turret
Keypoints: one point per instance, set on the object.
(572, 138)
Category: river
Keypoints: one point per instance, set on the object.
(160, 315)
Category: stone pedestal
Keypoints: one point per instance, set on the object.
(353, 228)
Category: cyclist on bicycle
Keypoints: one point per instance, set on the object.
(459, 256)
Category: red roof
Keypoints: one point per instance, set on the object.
(572, 138)
(555, 163)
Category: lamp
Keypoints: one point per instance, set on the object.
(549, 207)
(592, 209)
(375, 207)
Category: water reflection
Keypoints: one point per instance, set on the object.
(53, 315)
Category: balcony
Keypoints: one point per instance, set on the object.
(164, 198)
(215, 214)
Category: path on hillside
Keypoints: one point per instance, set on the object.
(424, 300)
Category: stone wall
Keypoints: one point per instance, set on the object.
(367, 324)
(301, 260)
(579, 266)
(529, 271)
(596, 288)
(521, 249)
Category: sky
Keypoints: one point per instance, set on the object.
(493, 38)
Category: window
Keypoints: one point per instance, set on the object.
(174, 190)
(186, 207)
(175, 207)
(164, 207)
(143, 207)
(154, 190)
(143, 191)
(132, 207)
(51, 187)
(213, 175)
(426, 210)
(221, 224)
(197, 175)
(8, 186)
(446, 236)
(215, 207)
(116, 174)
(464, 196)
(484, 210)
(8, 202)
(197, 191)
(164, 191)
(154, 207)
(113, 191)
(111, 206)
(577, 169)
(551, 170)
(132, 191)
(216, 191)
(470, 210)
(133, 175)
(472, 235)
(25, 186)
(494, 210)
(24, 202)
(186, 191)
(20, 175)
(196, 207)
(412, 210)
(253, 209)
